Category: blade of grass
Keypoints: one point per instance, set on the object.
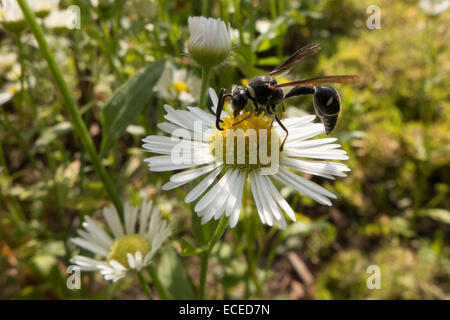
(70, 104)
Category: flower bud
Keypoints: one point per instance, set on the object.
(209, 41)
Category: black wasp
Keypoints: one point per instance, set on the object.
(264, 91)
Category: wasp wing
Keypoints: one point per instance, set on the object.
(349, 79)
(298, 56)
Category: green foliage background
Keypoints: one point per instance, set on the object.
(392, 209)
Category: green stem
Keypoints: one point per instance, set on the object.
(204, 88)
(144, 285)
(22, 72)
(205, 256)
(16, 208)
(69, 102)
(162, 291)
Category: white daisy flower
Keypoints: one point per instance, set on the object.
(60, 19)
(175, 84)
(131, 247)
(434, 7)
(201, 154)
(11, 16)
(209, 41)
(8, 60)
(8, 91)
(43, 7)
(102, 3)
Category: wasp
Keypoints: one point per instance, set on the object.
(265, 92)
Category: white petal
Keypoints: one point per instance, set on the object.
(130, 259)
(145, 214)
(256, 198)
(98, 233)
(293, 183)
(265, 208)
(192, 174)
(234, 216)
(216, 207)
(309, 143)
(90, 246)
(207, 118)
(278, 198)
(138, 260)
(267, 198)
(202, 186)
(319, 168)
(85, 263)
(211, 194)
(130, 218)
(113, 220)
(164, 163)
(298, 122)
(214, 99)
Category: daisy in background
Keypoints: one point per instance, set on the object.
(11, 16)
(221, 191)
(42, 8)
(175, 84)
(130, 247)
(434, 7)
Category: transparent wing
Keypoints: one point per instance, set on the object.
(349, 79)
(298, 56)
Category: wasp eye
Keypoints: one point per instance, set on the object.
(327, 101)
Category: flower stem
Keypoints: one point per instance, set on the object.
(70, 104)
(204, 88)
(162, 291)
(144, 285)
(205, 255)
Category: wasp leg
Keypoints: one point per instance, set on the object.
(300, 91)
(285, 130)
(247, 117)
(224, 93)
(255, 104)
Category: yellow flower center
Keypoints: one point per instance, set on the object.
(128, 244)
(247, 142)
(180, 86)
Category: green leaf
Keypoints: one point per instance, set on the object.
(129, 100)
(203, 233)
(173, 276)
(437, 214)
(279, 22)
(187, 249)
(304, 228)
(50, 134)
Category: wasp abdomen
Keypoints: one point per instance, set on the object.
(327, 105)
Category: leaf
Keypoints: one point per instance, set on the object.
(304, 228)
(173, 276)
(187, 249)
(128, 101)
(279, 22)
(441, 215)
(50, 134)
(203, 233)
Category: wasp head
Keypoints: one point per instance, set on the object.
(239, 100)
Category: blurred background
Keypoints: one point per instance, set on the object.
(392, 210)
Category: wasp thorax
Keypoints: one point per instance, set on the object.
(128, 244)
(246, 143)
